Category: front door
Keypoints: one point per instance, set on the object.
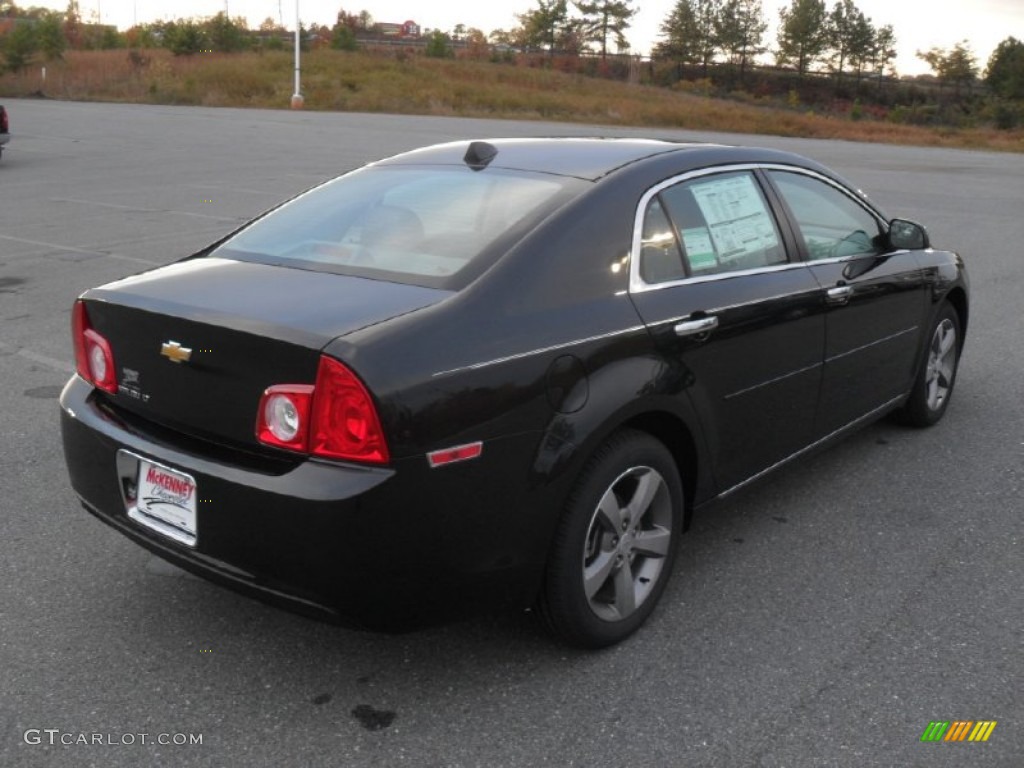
(875, 300)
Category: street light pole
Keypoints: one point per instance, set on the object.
(297, 99)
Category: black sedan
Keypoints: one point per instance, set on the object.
(500, 373)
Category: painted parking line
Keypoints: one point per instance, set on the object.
(73, 249)
(36, 357)
(137, 209)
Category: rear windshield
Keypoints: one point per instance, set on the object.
(435, 226)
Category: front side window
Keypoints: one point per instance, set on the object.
(720, 223)
(833, 224)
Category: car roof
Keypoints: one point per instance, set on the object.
(584, 158)
(593, 158)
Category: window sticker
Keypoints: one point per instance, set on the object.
(738, 221)
(700, 251)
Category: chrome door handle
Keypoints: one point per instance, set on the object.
(696, 327)
(839, 295)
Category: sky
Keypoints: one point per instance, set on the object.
(919, 24)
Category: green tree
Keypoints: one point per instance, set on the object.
(439, 45)
(19, 46)
(184, 38)
(689, 32)
(109, 39)
(272, 34)
(883, 52)
(226, 35)
(803, 34)
(740, 31)
(50, 36)
(861, 44)
(850, 38)
(957, 66)
(546, 25)
(343, 38)
(604, 19)
(1005, 71)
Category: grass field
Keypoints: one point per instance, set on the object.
(362, 82)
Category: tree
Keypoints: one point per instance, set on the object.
(957, 66)
(439, 46)
(142, 36)
(476, 43)
(690, 32)
(19, 46)
(110, 39)
(883, 52)
(272, 34)
(740, 31)
(604, 19)
(546, 25)
(73, 24)
(343, 38)
(861, 44)
(50, 36)
(1005, 71)
(803, 34)
(226, 35)
(184, 38)
(850, 37)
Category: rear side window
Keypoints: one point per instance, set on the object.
(719, 223)
(422, 225)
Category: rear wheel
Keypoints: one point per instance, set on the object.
(616, 542)
(934, 384)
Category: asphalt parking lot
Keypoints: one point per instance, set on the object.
(823, 617)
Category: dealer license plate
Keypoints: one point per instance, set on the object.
(165, 500)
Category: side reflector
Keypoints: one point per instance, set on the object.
(452, 455)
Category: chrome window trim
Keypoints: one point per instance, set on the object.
(638, 285)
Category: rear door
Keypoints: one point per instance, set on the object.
(875, 300)
(712, 280)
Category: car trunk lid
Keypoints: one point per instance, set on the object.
(196, 343)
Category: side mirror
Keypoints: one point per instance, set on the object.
(907, 235)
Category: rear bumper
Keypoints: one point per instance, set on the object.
(381, 548)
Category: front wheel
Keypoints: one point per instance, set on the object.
(933, 386)
(616, 542)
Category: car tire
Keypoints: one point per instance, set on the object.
(615, 544)
(933, 386)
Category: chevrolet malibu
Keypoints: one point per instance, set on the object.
(500, 374)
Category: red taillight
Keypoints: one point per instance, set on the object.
(335, 418)
(344, 419)
(5, 127)
(94, 359)
(283, 418)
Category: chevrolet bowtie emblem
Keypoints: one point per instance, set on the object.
(174, 352)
